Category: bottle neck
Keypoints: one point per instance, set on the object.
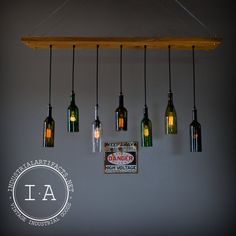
(50, 111)
(96, 113)
(73, 97)
(97, 123)
(121, 100)
(145, 112)
(194, 114)
(170, 97)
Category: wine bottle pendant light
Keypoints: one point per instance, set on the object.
(170, 114)
(49, 123)
(146, 124)
(195, 127)
(97, 126)
(121, 114)
(73, 110)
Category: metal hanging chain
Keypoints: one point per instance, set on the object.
(194, 101)
(97, 77)
(145, 77)
(45, 20)
(121, 69)
(194, 17)
(73, 69)
(169, 69)
(50, 74)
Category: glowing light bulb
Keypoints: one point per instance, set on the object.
(72, 117)
(97, 133)
(146, 131)
(48, 133)
(171, 119)
(121, 122)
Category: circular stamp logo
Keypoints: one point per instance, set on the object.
(40, 192)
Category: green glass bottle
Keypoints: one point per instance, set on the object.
(49, 130)
(195, 134)
(121, 115)
(73, 115)
(146, 130)
(170, 116)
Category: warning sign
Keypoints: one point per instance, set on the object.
(121, 157)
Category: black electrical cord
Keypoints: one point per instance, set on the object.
(145, 79)
(121, 69)
(194, 100)
(73, 69)
(50, 75)
(97, 77)
(169, 70)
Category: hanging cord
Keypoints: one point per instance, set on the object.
(50, 75)
(194, 102)
(45, 20)
(73, 69)
(169, 70)
(52, 27)
(97, 78)
(145, 77)
(194, 17)
(121, 69)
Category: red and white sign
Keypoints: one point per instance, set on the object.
(121, 157)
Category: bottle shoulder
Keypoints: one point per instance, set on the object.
(170, 108)
(195, 123)
(49, 119)
(73, 106)
(146, 120)
(121, 109)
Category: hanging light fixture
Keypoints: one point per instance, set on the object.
(170, 114)
(146, 124)
(49, 123)
(121, 114)
(195, 127)
(73, 111)
(97, 126)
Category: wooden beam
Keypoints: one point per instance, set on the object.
(104, 42)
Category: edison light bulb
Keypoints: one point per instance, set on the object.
(72, 117)
(48, 133)
(121, 122)
(97, 134)
(171, 119)
(146, 131)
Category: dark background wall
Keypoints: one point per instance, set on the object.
(175, 192)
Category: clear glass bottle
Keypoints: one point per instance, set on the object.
(97, 133)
